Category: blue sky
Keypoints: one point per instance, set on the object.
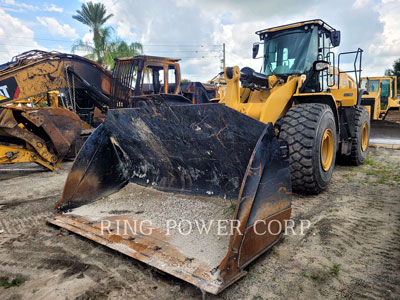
(195, 30)
(62, 11)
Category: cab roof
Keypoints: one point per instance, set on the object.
(297, 24)
(151, 58)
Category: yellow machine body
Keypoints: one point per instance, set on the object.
(381, 95)
(270, 105)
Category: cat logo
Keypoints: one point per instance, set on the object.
(4, 91)
(9, 90)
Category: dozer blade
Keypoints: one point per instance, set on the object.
(48, 131)
(184, 162)
(385, 133)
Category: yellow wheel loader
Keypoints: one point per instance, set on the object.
(164, 163)
(384, 108)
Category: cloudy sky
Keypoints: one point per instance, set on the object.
(195, 30)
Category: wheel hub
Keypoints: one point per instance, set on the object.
(364, 137)
(327, 147)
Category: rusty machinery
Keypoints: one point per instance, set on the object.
(52, 83)
(43, 108)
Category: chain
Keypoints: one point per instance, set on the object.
(73, 91)
(69, 91)
(62, 99)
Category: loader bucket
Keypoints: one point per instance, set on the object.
(183, 167)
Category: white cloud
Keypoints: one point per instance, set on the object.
(88, 38)
(53, 7)
(11, 26)
(385, 48)
(368, 24)
(20, 4)
(58, 29)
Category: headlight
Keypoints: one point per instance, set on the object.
(321, 66)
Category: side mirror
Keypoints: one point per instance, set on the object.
(320, 65)
(335, 38)
(256, 47)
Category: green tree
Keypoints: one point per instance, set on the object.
(110, 49)
(395, 72)
(119, 49)
(94, 15)
(95, 52)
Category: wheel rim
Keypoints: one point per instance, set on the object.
(327, 146)
(364, 137)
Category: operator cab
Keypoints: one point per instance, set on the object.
(297, 49)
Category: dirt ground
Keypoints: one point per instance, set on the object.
(350, 251)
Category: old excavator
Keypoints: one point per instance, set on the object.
(50, 102)
(269, 133)
(43, 108)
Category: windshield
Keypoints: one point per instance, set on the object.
(373, 85)
(290, 52)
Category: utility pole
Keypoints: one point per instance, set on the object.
(223, 57)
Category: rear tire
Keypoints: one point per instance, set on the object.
(359, 144)
(310, 131)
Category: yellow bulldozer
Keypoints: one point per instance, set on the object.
(271, 132)
(383, 105)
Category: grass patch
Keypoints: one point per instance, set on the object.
(347, 176)
(335, 269)
(230, 210)
(369, 172)
(384, 172)
(4, 282)
(301, 289)
(370, 161)
(313, 276)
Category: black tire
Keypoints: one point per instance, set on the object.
(358, 155)
(303, 127)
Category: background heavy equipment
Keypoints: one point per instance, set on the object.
(68, 86)
(383, 105)
(289, 121)
(43, 108)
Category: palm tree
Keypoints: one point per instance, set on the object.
(95, 52)
(109, 50)
(94, 16)
(119, 49)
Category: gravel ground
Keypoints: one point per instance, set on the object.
(350, 251)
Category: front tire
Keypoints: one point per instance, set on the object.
(310, 131)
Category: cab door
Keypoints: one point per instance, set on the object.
(385, 92)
